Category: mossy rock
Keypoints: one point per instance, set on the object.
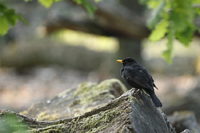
(77, 101)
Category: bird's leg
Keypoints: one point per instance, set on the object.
(138, 90)
(144, 92)
(134, 90)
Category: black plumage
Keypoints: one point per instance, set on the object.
(138, 77)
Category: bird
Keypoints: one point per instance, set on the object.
(138, 77)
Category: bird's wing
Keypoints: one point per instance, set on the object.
(141, 77)
(149, 77)
(142, 83)
(153, 83)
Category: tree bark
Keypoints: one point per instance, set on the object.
(131, 112)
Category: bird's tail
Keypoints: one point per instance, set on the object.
(155, 99)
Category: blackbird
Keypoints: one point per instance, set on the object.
(138, 77)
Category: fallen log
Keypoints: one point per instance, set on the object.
(130, 112)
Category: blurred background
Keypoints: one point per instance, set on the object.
(62, 47)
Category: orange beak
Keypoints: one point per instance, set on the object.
(120, 61)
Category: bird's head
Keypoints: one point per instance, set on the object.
(127, 61)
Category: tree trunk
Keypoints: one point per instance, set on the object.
(131, 112)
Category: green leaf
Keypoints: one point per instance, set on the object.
(46, 3)
(2, 7)
(197, 10)
(174, 18)
(22, 19)
(89, 7)
(8, 18)
(167, 54)
(78, 1)
(144, 1)
(97, 1)
(11, 16)
(153, 4)
(180, 22)
(185, 36)
(159, 32)
(3, 25)
(196, 1)
(182, 17)
(156, 15)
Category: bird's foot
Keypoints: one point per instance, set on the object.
(138, 90)
(144, 92)
(135, 91)
(132, 92)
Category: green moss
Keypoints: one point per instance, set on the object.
(123, 87)
(95, 123)
(64, 93)
(131, 98)
(45, 116)
(89, 92)
(25, 112)
(146, 93)
(98, 122)
(86, 96)
(59, 128)
(74, 103)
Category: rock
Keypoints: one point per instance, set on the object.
(96, 109)
(184, 120)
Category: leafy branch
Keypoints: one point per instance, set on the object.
(8, 18)
(174, 18)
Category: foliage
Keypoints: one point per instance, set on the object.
(47, 3)
(8, 18)
(90, 8)
(174, 18)
(12, 124)
(171, 18)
